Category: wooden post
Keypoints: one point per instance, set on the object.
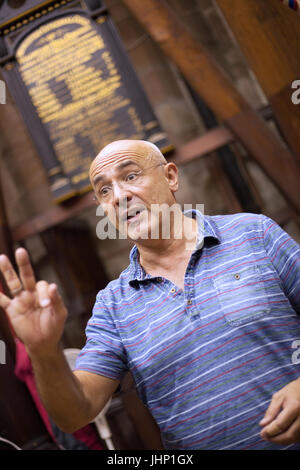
(6, 247)
(6, 242)
(269, 36)
(220, 95)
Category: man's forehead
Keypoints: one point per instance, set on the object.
(139, 146)
(120, 152)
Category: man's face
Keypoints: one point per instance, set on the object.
(128, 182)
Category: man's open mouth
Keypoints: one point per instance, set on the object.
(131, 214)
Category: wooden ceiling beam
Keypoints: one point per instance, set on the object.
(269, 36)
(216, 89)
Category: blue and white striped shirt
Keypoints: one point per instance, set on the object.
(206, 360)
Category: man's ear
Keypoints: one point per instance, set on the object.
(171, 174)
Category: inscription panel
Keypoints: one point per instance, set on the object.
(81, 92)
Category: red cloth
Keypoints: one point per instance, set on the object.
(23, 370)
(89, 436)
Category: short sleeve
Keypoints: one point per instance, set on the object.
(284, 253)
(103, 352)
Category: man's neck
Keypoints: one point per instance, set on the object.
(161, 253)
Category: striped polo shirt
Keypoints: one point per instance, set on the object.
(206, 360)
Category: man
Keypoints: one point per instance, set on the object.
(206, 321)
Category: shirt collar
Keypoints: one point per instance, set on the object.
(207, 234)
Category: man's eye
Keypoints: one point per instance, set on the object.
(104, 191)
(131, 176)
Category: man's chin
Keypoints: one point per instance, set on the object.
(138, 232)
(135, 229)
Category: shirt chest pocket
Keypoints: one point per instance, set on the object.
(242, 295)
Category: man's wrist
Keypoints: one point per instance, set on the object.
(48, 354)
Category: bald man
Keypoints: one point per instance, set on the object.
(132, 181)
(207, 322)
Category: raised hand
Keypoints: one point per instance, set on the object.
(35, 310)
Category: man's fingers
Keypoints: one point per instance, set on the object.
(12, 281)
(48, 296)
(282, 423)
(25, 269)
(21, 304)
(56, 300)
(4, 301)
(43, 295)
(272, 410)
(289, 436)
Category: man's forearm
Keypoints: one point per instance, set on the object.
(60, 391)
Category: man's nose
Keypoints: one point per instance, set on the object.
(120, 193)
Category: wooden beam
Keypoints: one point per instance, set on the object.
(207, 143)
(216, 89)
(288, 117)
(269, 36)
(54, 216)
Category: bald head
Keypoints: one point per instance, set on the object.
(115, 152)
